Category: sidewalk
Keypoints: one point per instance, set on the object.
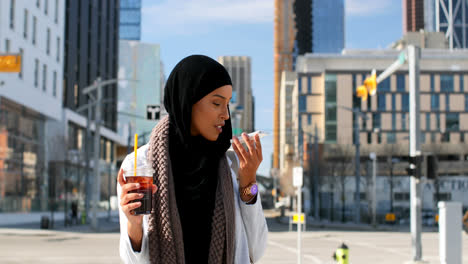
(33, 221)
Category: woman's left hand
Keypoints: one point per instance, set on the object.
(249, 159)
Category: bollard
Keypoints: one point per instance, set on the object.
(450, 232)
(341, 255)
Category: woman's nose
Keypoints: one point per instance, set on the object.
(225, 114)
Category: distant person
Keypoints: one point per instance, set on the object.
(74, 212)
(206, 208)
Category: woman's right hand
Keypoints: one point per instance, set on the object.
(126, 199)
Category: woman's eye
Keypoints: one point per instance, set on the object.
(216, 104)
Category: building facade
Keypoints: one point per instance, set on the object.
(326, 86)
(328, 26)
(130, 19)
(139, 64)
(451, 18)
(413, 15)
(242, 101)
(30, 101)
(90, 52)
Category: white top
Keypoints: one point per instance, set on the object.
(251, 229)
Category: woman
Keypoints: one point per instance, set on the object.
(204, 207)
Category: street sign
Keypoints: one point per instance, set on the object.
(10, 63)
(297, 176)
(153, 112)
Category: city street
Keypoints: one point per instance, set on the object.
(39, 246)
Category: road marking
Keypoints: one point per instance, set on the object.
(294, 250)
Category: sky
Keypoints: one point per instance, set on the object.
(245, 28)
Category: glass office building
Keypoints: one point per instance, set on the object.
(328, 26)
(130, 19)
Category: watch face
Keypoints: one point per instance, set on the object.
(254, 189)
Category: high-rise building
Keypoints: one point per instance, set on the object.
(451, 18)
(130, 19)
(302, 26)
(91, 52)
(328, 26)
(139, 65)
(284, 41)
(30, 101)
(413, 15)
(241, 104)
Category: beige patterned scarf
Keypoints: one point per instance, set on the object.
(165, 233)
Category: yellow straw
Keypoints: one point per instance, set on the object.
(135, 150)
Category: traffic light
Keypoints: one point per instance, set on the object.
(369, 87)
(432, 167)
(414, 168)
(371, 84)
(10, 63)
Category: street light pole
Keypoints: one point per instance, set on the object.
(414, 54)
(357, 169)
(97, 143)
(316, 175)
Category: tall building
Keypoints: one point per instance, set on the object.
(328, 26)
(130, 19)
(284, 41)
(413, 15)
(303, 26)
(241, 105)
(326, 85)
(91, 52)
(451, 18)
(30, 101)
(140, 64)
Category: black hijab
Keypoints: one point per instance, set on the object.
(194, 159)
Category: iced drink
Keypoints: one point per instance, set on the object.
(145, 179)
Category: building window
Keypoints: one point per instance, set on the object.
(25, 27)
(369, 137)
(381, 102)
(54, 85)
(376, 120)
(423, 137)
(446, 83)
(302, 103)
(393, 121)
(393, 102)
(438, 122)
(466, 102)
(428, 121)
(44, 77)
(299, 83)
(48, 42)
(433, 137)
(447, 102)
(443, 197)
(38, 3)
(12, 14)
(401, 197)
(384, 86)
(309, 119)
(432, 83)
(309, 84)
(435, 102)
(7, 45)
(403, 121)
(46, 7)
(452, 122)
(445, 137)
(401, 85)
(462, 83)
(56, 11)
(391, 138)
(330, 108)
(462, 137)
(36, 72)
(20, 74)
(34, 30)
(405, 102)
(58, 52)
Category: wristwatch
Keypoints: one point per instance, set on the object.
(249, 191)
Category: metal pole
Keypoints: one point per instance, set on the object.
(109, 192)
(374, 189)
(97, 141)
(316, 175)
(87, 154)
(413, 59)
(299, 209)
(358, 170)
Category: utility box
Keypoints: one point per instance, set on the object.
(450, 232)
